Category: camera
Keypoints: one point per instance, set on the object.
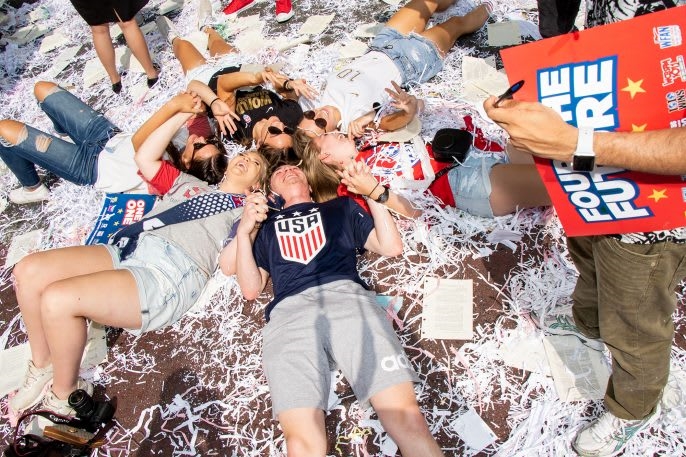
(450, 145)
(92, 413)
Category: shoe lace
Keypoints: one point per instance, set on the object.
(33, 375)
(606, 426)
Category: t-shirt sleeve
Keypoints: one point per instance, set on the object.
(260, 249)
(164, 178)
(361, 222)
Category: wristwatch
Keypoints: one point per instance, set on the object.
(383, 198)
(584, 156)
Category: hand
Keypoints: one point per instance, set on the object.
(224, 115)
(401, 100)
(358, 178)
(254, 213)
(270, 76)
(187, 102)
(359, 126)
(302, 89)
(534, 128)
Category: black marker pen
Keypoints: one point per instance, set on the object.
(509, 92)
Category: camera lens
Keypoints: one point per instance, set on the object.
(82, 403)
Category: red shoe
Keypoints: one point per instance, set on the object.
(236, 6)
(284, 10)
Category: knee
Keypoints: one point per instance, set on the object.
(26, 274)
(54, 302)
(44, 88)
(12, 132)
(300, 445)
(130, 24)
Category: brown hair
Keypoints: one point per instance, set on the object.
(322, 178)
(209, 169)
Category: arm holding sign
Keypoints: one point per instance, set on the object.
(540, 130)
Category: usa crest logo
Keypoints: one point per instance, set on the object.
(301, 237)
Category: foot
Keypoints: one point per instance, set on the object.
(167, 28)
(52, 402)
(26, 195)
(33, 388)
(609, 434)
(563, 324)
(284, 10)
(238, 6)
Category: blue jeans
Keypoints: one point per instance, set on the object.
(77, 162)
(415, 56)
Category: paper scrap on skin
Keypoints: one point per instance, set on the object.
(579, 372)
(448, 308)
(314, 25)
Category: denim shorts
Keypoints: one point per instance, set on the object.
(76, 162)
(415, 56)
(168, 281)
(471, 183)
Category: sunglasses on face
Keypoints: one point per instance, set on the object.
(273, 130)
(214, 141)
(319, 121)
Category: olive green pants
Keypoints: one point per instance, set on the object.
(625, 295)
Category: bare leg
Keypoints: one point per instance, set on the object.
(35, 272)
(304, 431)
(216, 44)
(108, 297)
(188, 55)
(139, 48)
(518, 156)
(445, 34)
(414, 16)
(399, 413)
(516, 186)
(102, 41)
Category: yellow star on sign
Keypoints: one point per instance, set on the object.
(658, 194)
(638, 128)
(633, 87)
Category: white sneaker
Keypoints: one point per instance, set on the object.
(563, 324)
(608, 435)
(205, 16)
(33, 388)
(58, 406)
(23, 195)
(167, 28)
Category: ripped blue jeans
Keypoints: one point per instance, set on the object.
(76, 162)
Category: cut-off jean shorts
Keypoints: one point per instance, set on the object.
(415, 56)
(169, 282)
(471, 183)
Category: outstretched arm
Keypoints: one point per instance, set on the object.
(151, 148)
(407, 107)
(358, 178)
(384, 239)
(541, 131)
(222, 109)
(179, 104)
(238, 256)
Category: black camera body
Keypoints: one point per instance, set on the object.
(451, 145)
(92, 413)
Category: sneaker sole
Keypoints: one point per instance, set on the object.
(37, 400)
(245, 8)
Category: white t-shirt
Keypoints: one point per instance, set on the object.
(357, 86)
(117, 171)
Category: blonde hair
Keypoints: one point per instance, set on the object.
(322, 177)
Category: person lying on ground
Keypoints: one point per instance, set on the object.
(262, 116)
(146, 280)
(487, 183)
(309, 250)
(404, 52)
(100, 155)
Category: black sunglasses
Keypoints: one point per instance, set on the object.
(214, 141)
(277, 131)
(319, 122)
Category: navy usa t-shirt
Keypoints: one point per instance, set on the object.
(311, 244)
